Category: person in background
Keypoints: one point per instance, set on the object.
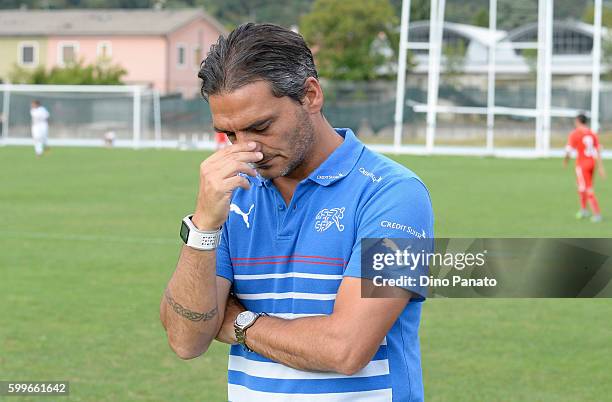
(221, 140)
(109, 139)
(588, 153)
(40, 127)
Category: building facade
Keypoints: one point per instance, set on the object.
(161, 49)
(572, 48)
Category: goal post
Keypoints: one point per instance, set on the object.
(81, 115)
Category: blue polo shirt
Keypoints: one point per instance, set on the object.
(289, 260)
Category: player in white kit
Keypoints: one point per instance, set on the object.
(40, 127)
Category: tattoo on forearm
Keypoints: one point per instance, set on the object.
(188, 314)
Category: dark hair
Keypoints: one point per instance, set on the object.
(258, 52)
(36, 102)
(581, 118)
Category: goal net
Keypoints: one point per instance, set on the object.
(83, 114)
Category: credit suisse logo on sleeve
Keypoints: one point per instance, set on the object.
(403, 228)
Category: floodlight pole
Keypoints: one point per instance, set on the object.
(544, 78)
(6, 111)
(401, 76)
(491, 74)
(436, 34)
(596, 66)
(548, 77)
(540, 73)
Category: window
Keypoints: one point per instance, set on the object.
(28, 54)
(67, 52)
(566, 41)
(104, 49)
(181, 55)
(197, 56)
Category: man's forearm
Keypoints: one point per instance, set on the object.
(309, 343)
(189, 310)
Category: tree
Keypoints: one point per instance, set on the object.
(419, 9)
(454, 55)
(100, 73)
(481, 18)
(606, 16)
(234, 12)
(341, 34)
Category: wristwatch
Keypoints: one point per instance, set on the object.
(199, 239)
(244, 321)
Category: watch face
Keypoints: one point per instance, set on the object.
(184, 231)
(245, 318)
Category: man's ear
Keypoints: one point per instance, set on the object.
(313, 96)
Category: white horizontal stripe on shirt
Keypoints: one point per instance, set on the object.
(287, 295)
(302, 275)
(277, 371)
(239, 393)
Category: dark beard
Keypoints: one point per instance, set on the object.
(302, 143)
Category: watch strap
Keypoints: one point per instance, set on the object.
(203, 240)
(241, 331)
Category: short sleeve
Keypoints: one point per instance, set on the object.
(224, 262)
(401, 209)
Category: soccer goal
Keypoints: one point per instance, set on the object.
(84, 115)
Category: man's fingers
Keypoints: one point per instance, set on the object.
(237, 181)
(232, 168)
(217, 164)
(244, 157)
(234, 148)
(238, 153)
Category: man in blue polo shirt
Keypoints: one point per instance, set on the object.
(294, 197)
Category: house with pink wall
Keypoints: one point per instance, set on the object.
(158, 48)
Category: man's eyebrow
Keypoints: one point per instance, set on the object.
(250, 127)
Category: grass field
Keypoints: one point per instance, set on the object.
(89, 238)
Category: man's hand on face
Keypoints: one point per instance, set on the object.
(219, 177)
(232, 309)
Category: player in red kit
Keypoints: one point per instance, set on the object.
(588, 154)
(221, 141)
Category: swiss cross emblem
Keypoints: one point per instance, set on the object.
(326, 218)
